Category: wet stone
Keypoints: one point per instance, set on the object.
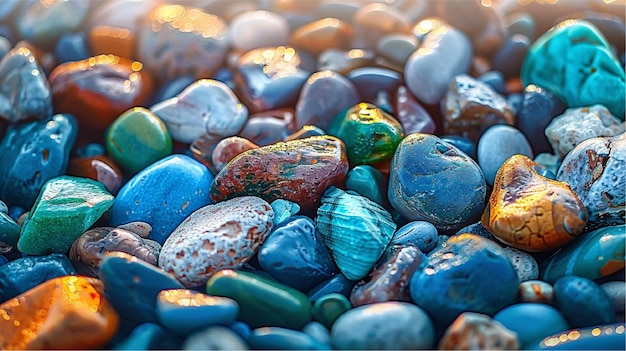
(277, 338)
(476, 331)
(329, 307)
(369, 182)
(228, 148)
(525, 265)
(582, 302)
(371, 81)
(97, 167)
(616, 291)
(509, 58)
(9, 229)
(214, 338)
(420, 234)
(336, 284)
(397, 46)
(268, 127)
(343, 61)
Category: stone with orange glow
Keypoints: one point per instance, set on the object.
(477, 331)
(532, 212)
(317, 36)
(112, 40)
(67, 312)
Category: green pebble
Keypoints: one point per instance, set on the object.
(9, 230)
(263, 302)
(138, 138)
(329, 307)
(370, 134)
(65, 208)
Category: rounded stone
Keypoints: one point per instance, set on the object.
(582, 302)
(421, 234)
(531, 322)
(525, 265)
(317, 36)
(536, 291)
(329, 307)
(496, 145)
(255, 29)
(477, 331)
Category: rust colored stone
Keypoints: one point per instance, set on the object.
(67, 312)
(315, 37)
(531, 212)
(100, 168)
(297, 171)
(112, 40)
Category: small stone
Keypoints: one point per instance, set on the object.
(66, 207)
(369, 182)
(214, 338)
(412, 116)
(283, 210)
(476, 331)
(9, 229)
(510, 56)
(149, 335)
(227, 149)
(255, 29)
(397, 46)
(49, 316)
(343, 61)
(317, 36)
(582, 302)
(496, 145)
(531, 322)
(277, 338)
(335, 284)
(317, 331)
(370, 82)
(97, 167)
(536, 291)
(525, 265)
(420, 234)
(329, 307)
(616, 290)
(268, 127)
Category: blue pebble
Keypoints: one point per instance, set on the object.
(16, 211)
(277, 338)
(582, 302)
(539, 107)
(370, 80)
(226, 76)
(294, 254)
(72, 47)
(3, 207)
(369, 182)
(336, 284)
(496, 145)
(495, 80)
(462, 143)
(7, 7)
(283, 210)
(9, 230)
(25, 273)
(531, 321)
(242, 329)
(418, 233)
(172, 88)
(515, 101)
(163, 195)
(317, 331)
(508, 59)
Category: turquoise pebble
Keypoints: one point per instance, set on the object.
(531, 321)
(283, 210)
(496, 145)
(22, 274)
(335, 284)
(369, 182)
(183, 311)
(276, 338)
(241, 328)
(9, 229)
(582, 302)
(602, 337)
(329, 307)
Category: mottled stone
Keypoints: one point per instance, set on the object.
(594, 170)
(255, 29)
(207, 106)
(476, 331)
(66, 207)
(525, 265)
(371, 21)
(384, 326)
(531, 322)
(317, 36)
(98, 167)
(593, 255)
(412, 116)
(428, 175)
(575, 62)
(298, 171)
(535, 291)
(347, 220)
(177, 40)
(582, 302)
(472, 106)
(25, 92)
(222, 235)
(496, 145)
(532, 212)
(227, 149)
(63, 313)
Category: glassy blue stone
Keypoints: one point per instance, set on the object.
(496, 145)
(295, 255)
(149, 336)
(25, 273)
(163, 195)
(370, 80)
(241, 328)
(329, 307)
(33, 153)
(495, 80)
(531, 321)
(462, 143)
(283, 210)
(277, 338)
(9, 229)
(582, 302)
(539, 106)
(24, 89)
(337, 284)
(72, 47)
(421, 234)
(603, 337)
(347, 220)
(317, 331)
(508, 59)
(133, 285)
(369, 182)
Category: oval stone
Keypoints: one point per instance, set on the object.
(317, 36)
(582, 302)
(298, 171)
(277, 338)
(421, 234)
(329, 307)
(531, 322)
(536, 291)
(222, 235)
(496, 145)
(369, 182)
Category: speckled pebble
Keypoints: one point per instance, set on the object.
(422, 234)
(582, 302)
(525, 265)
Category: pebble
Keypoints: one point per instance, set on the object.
(536, 291)
(317, 36)
(329, 307)
(336, 284)
(72, 47)
(531, 212)
(9, 229)
(525, 265)
(317, 331)
(616, 291)
(163, 195)
(496, 145)
(49, 315)
(284, 210)
(397, 47)
(462, 143)
(217, 236)
(412, 116)
(347, 220)
(509, 58)
(343, 61)
(66, 207)
(531, 322)
(428, 174)
(256, 29)
(97, 167)
(277, 338)
(214, 338)
(477, 331)
(262, 301)
(582, 302)
(227, 149)
(295, 255)
(420, 234)
(383, 326)
(369, 182)
(371, 81)
(371, 21)
(268, 127)
(148, 336)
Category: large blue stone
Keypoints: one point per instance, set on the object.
(582, 302)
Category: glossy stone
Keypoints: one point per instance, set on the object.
(574, 61)
(531, 322)
(138, 138)
(228, 148)
(462, 143)
(496, 145)
(48, 316)
(329, 307)
(427, 175)
(616, 291)
(532, 212)
(446, 52)
(222, 235)
(317, 331)
(214, 338)
(369, 182)
(163, 195)
(323, 95)
(270, 77)
(389, 279)
(184, 311)
(88, 250)
(420, 234)
(9, 230)
(371, 81)
(207, 106)
(71, 47)
(384, 326)
(133, 285)
(148, 335)
(582, 302)
(369, 133)
(397, 46)
(371, 21)
(576, 125)
(606, 337)
(99, 89)
(254, 29)
(262, 301)
(472, 106)
(343, 61)
(295, 255)
(347, 220)
(412, 116)
(593, 255)
(268, 127)
(112, 40)
(25, 92)
(535, 291)
(98, 167)
(594, 170)
(457, 277)
(298, 171)
(277, 338)
(33, 270)
(284, 210)
(317, 36)
(65, 208)
(306, 132)
(476, 331)
(177, 40)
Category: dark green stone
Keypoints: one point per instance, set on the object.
(262, 301)
(329, 307)
(9, 230)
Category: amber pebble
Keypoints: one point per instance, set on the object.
(112, 40)
(315, 37)
(100, 168)
(298, 171)
(531, 212)
(99, 89)
(67, 312)
(477, 331)
(229, 148)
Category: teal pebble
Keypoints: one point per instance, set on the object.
(369, 182)
(9, 229)
(317, 331)
(531, 321)
(582, 302)
(283, 210)
(149, 336)
(277, 338)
